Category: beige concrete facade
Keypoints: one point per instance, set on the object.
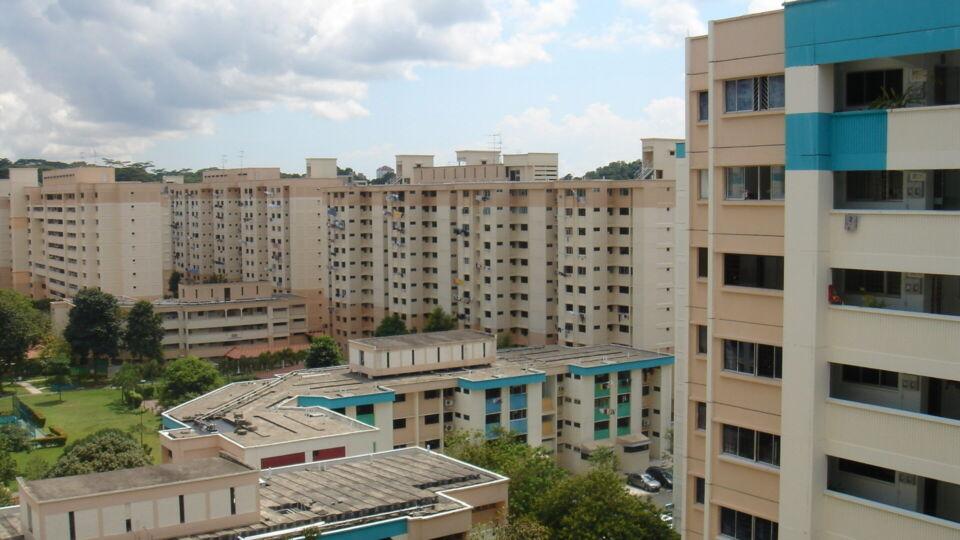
(718, 307)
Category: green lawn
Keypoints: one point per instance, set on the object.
(83, 412)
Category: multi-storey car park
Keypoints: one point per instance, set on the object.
(819, 274)
(498, 241)
(404, 391)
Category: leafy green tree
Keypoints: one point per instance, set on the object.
(8, 467)
(324, 351)
(391, 325)
(6, 498)
(439, 320)
(127, 379)
(143, 337)
(596, 505)
(532, 470)
(515, 529)
(617, 170)
(106, 450)
(173, 284)
(58, 374)
(94, 327)
(21, 327)
(186, 378)
(35, 468)
(14, 437)
(504, 340)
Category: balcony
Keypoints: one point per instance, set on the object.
(519, 425)
(895, 491)
(518, 401)
(934, 294)
(493, 405)
(892, 239)
(548, 405)
(846, 516)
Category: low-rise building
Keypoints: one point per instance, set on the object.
(410, 493)
(403, 391)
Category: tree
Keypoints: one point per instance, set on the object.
(504, 340)
(8, 467)
(186, 378)
(391, 325)
(439, 320)
(35, 468)
(94, 328)
(514, 529)
(6, 498)
(127, 379)
(173, 285)
(143, 337)
(106, 450)
(617, 170)
(532, 470)
(21, 327)
(324, 351)
(596, 505)
(58, 374)
(14, 437)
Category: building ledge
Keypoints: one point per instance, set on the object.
(896, 412)
(893, 509)
(747, 463)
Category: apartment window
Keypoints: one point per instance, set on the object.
(753, 359)
(233, 502)
(743, 526)
(431, 419)
(871, 282)
(760, 183)
(700, 489)
(492, 418)
(701, 415)
(864, 469)
(754, 94)
(703, 108)
(864, 87)
(431, 394)
(398, 398)
(751, 445)
(703, 181)
(874, 186)
(703, 262)
(702, 339)
(876, 377)
(761, 271)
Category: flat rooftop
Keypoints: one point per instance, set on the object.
(407, 341)
(255, 413)
(272, 406)
(362, 489)
(83, 485)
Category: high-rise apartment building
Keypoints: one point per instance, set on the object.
(819, 273)
(80, 228)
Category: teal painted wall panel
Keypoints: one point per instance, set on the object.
(681, 150)
(533, 378)
(370, 532)
(850, 141)
(830, 31)
(352, 401)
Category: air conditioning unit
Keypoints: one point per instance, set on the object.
(448, 403)
(498, 400)
(448, 427)
(605, 386)
(606, 411)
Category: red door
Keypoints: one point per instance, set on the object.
(329, 453)
(280, 461)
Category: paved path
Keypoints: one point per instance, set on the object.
(31, 389)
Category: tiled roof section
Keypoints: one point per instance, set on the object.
(423, 340)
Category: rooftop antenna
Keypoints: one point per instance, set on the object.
(223, 161)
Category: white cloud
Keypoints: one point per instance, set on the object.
(595, 137)
(113, 75)
(756, 6)
(662, 24)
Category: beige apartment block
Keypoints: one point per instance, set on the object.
(80, 228)
(411, 494)
(405, 391)
(730, 227)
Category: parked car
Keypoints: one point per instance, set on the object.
(662, 475)
(644, 481)
(667, 518)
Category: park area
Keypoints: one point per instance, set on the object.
(80, 413)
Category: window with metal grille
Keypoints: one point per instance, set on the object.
(754, 94)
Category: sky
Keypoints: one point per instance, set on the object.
(268, 83)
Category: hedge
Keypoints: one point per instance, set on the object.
(28, 413)
(59, 438)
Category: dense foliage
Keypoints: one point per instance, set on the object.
(186, 378)
(324, 351)
(94, 326)
(548, 502)
(105, 450)
(439, 320)
(21, 327)
(616, 170)
(143, 336)
(391, 325)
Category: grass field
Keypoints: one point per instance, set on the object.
(83, 412)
